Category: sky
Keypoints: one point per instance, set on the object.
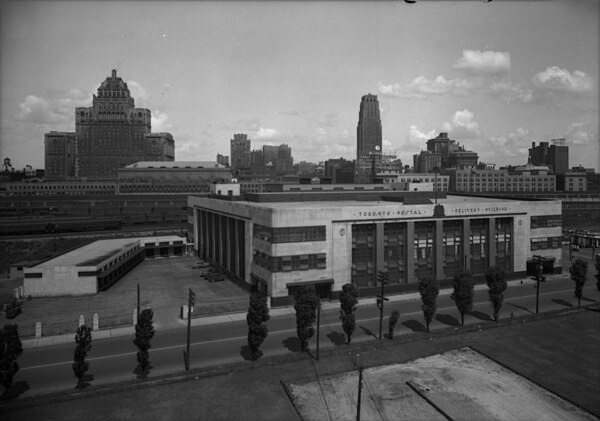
(497, 76)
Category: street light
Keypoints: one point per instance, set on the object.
(360, 374)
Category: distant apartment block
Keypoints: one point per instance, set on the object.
(177, 177)
(223, 160)
(520, 179)
(426, 161)
(452, 154)
(60, 155)
(554, 155)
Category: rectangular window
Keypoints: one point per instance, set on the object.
(546, 221)
(290, 234)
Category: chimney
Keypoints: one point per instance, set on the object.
(114, 73)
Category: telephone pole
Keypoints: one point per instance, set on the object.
(383, 278)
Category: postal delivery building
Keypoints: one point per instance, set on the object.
(278, 241)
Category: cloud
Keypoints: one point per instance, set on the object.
(462, 126)
(264, 133)
(242, 126)
(509, 92)
(137, 92)
(555, 79)
(579, 134)
(422, 87)
(483, 62)
(331, 119)
(160, 122)
(292, 113)
(56, 107)
(510, 146)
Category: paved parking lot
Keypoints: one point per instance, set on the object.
(164, 285)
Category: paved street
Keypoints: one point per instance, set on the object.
(214, 341)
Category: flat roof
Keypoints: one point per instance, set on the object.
(364, 203)
(91, 254)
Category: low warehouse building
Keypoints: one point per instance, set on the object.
(86, 270)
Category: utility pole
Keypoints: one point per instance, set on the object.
(138, 301)
(538, 278)
(318, 327)
(191, 302)
(381, 277)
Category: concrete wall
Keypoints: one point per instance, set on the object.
(61, 280)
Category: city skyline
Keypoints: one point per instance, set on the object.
(495, 76)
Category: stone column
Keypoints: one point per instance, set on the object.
(439, 250)
(491, 241)
(466, 239)
(379, 248)
(410, 252)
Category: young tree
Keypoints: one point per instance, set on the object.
(144, 332)
(429, 289)
(348, 303)
(598, 272)
(306, 303)
(83, 339)
(10, 349)
(497, 285)
(463, 293)
(579, 276)
(258, 315)
(392, 323)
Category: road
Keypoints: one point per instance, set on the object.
(47, 369)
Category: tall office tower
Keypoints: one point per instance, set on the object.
(427, 161)
(368, 131)
(539, 154)
(558, 156)
(270, 155)
(60, 155)
(240, 151)
(112, 133)
(284, 164)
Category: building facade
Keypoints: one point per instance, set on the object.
(240, 151)
(60, 155)
(503, 180)
(278, 241)
(368, 131)
(112, 133)
(555, 155)
(177, 177)
(452, 154)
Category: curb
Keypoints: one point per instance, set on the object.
(227, 318)
(241, 366)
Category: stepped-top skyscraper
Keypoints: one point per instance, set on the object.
(110, 134)
(368, 132)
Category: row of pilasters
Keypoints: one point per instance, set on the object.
(219, 240)
(438, 247)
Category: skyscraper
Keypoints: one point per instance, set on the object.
(240, 151)
(112, 133)
(368, 132)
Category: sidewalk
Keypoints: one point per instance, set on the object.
(231, 317)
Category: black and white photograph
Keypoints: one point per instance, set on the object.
(300, 210)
